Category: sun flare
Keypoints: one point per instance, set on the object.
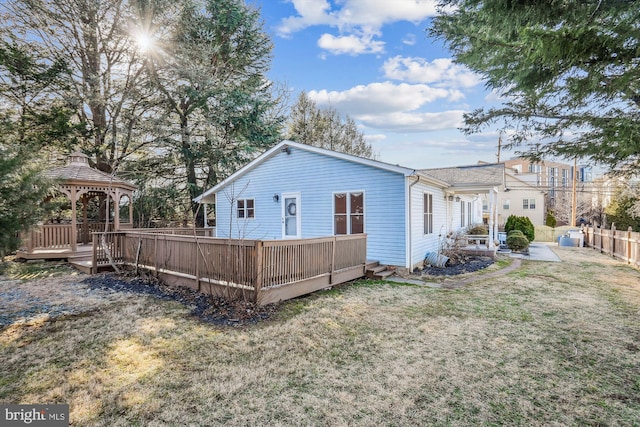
(144, 41)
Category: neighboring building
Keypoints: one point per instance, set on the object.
(300, 191)
(554, 178)
(518, 197)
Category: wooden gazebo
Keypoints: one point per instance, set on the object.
(80, 183)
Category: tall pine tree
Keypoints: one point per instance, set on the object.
(568, 69)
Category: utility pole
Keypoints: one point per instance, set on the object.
(574, 198)
(499, 146)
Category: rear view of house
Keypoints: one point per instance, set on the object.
(296, 191)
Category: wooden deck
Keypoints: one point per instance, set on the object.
(82, 252)
(264, 271)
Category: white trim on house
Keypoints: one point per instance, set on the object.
(298, 214)
(364, 213)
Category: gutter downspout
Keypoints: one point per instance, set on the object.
(408, 219)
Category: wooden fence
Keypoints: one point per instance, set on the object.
(624, 245)
(263, 271)
(550, 234)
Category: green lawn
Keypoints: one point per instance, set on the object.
(549, 344)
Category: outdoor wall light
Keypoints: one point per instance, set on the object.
(450, 198)
(276, 198)
(286, 150)
(457, 198)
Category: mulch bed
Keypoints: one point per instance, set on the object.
(468, 265)
(208, 308)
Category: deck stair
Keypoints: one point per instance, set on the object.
(376, 271)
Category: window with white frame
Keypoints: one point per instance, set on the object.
(469, 214)
(428, 213)
(348, 213)
(246, 208)
(462, 213)
(505, 204)
(528, 203)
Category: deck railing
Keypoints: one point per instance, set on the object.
(624, 245)
(263, 271)
(58, 236)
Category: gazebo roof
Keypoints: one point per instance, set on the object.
(77, 171)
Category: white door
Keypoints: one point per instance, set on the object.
(291, 216)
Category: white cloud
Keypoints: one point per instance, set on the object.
(495, 96)
(441, 72)
(358, 21)
(311, 12)
(393, 107)
(347, 14)
(414, 122)
(375, 137)
(409, 39)
(381, 98)
(352, 44)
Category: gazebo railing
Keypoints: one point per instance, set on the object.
(48, 236)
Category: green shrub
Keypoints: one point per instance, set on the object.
(550, 221)
(478, 230)
(517, 241)
(521, 223)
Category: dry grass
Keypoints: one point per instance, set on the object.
(549, 344)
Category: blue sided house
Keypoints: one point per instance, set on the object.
(297, 191)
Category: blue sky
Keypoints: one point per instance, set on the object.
(373, 60)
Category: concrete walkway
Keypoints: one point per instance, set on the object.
(538, 251)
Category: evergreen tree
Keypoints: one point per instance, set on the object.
(324, 128)
(214, 92)
(619, 212)
(30, 119)
(569, 70)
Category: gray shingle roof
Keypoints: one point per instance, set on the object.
(469, 176)
(78, 170)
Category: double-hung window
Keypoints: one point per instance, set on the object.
(528, 203)
(246, 208)
(428, 213)
(505, 204)
(348, 213)
(462, 212)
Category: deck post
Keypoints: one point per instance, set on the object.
(94, 257)
(259, 263)
(155, 254)
(332, 268)
(197, 250)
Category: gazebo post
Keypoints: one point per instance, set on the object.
(130, 195)
(74, 230)
(85, 226)
(116, 210)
